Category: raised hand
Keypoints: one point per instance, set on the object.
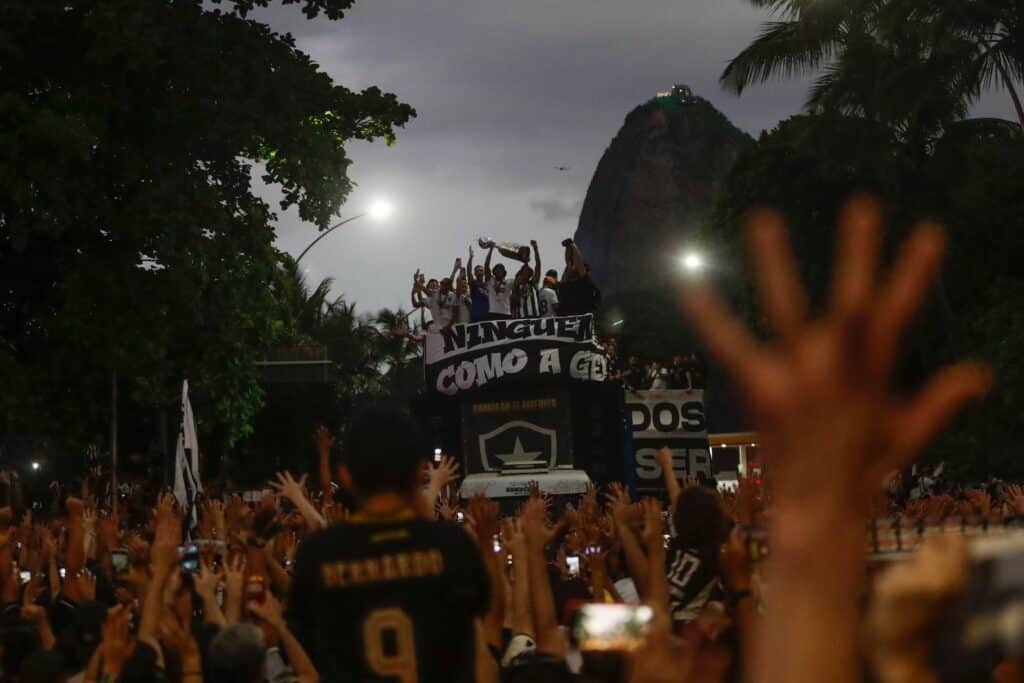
(826, 381)
(534, 520)
(117, 645)
(270, 611)
(444, 473)
(86, 585)
(287, 486)
(829, 423)
(746, 503)
(483, 512)
(735, 562)
(323, 438)
(906, 600)
(653, 531)
(206, 582)
(1014, 496)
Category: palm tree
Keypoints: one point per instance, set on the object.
(915, 64)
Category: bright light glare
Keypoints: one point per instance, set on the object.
(693, 261)
(35, 465)
(381, 209)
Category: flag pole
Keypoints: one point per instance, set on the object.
(113, 440)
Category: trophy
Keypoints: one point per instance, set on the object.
(510, 250)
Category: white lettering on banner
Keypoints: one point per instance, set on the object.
(479, 371)
(658, 414)
(550, 362)
(458, 339)
(587, 365)
(685, 461)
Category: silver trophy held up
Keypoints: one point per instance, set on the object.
(510, 250)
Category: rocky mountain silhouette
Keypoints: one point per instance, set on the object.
(655, 184)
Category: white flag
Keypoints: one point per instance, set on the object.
(186, 462)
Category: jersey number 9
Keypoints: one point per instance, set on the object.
(401, 663)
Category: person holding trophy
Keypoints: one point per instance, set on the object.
(525, 303)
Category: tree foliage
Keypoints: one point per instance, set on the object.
(914, 65)
(131, 238)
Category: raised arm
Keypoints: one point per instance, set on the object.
(664, 457)
(455, 270)
(577, 260)
(536, 263)
(416, 295)
(469, 265)
(324, 442)
(487, 263)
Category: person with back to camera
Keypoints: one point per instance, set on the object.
(389, 594)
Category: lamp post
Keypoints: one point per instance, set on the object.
(379, 210)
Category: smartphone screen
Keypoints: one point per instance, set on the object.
(119, 561)
(63, 572)
(189, 558)
(612, 628)
(497, 543)
(24, 576)
(572, 564)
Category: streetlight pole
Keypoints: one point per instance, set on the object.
(325, 233)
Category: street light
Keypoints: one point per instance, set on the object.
(693, 261)
(379, 209)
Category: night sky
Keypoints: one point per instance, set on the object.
(505, 93)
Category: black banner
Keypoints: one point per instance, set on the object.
(465, 357)
(516, 426)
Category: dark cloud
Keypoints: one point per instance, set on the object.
(556, 210)
(506, 92)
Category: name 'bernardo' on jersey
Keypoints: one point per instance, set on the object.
(388, 567)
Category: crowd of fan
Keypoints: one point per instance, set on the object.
(92, 595)
(366, 585)
(686, 371)
(484, 292)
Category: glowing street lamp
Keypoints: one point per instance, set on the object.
(693, 261)
(379, 210)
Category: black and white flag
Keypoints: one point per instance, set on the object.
(186, 463)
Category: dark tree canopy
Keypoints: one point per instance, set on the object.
(131, 238)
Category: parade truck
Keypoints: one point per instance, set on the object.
(532, 400)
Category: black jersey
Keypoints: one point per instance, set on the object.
(389, 601)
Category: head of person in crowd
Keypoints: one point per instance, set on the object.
(462, 286)
(432, 286)
(699, 522)
(383, 455)
(237, 655)
(551, 278)
(678, 360)
(445, 286)
(478, 273)
(499, 272)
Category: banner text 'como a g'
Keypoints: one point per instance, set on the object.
(465, 357)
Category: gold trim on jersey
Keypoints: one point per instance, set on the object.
(402, 515)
